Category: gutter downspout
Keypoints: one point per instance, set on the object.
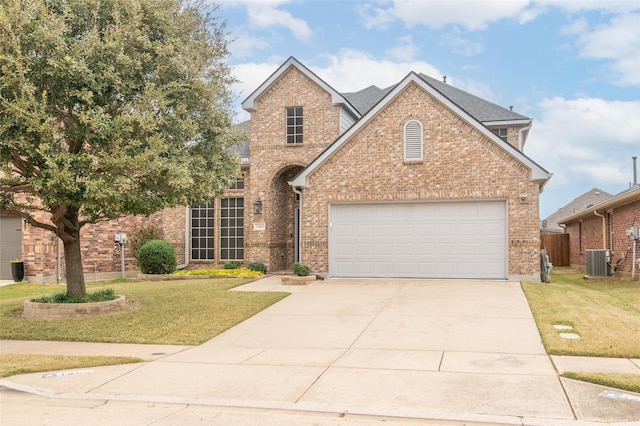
(604, 228)
(299, 192)
(186, 239)
(521, 132)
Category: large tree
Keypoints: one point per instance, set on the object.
(110, 108)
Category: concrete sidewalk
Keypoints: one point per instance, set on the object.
(456, 351)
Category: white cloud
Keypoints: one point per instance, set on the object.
(244, 45)
(586, 141)
(352, 70)
(404, 50)
(347, 71)
(265, 14)
(464, 46)
(578, 26)
(619, 42)
(471, 14)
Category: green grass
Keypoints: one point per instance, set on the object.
(630, 382)
(605, 313)
(12, 364)
(181, 312)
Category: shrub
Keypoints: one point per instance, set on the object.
(300, 269)
(257, 266)
(240, 272)
(103, 295)
(157, 257)
(232, 264)
(139, 235)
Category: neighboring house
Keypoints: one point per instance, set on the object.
(605, 226)
(417, 180)
(551, 224)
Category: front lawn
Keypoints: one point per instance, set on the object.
(181, 312)
(605, 313)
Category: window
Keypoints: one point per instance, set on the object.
(202, 231)
(232, 229)
(502, 132)
(580, 236)
(413, 141)
(238, 183)
(294, 125)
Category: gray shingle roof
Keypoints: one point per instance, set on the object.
(481, 109)
(365, 99)
(580, 204)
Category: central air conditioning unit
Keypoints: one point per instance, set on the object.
(598, 263)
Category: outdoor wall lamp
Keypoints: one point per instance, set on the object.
(257, 206)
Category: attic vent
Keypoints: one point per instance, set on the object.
(413, 141)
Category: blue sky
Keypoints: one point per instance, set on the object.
(572, 66)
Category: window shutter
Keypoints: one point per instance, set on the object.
(413, 141)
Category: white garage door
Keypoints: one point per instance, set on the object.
(426, 240)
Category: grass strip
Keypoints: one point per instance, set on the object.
(628, 382)
(12, 364)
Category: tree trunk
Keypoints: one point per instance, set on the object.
(68, 229)
(73, 262)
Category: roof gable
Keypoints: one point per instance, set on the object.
(250, 103)
(302, 180)
(580, 204)
(625, 197)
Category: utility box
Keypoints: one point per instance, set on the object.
(598, 263)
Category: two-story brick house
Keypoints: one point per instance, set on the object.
(420, 179)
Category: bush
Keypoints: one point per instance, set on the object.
(257, 266)
(103, 295)
(300, 269)
(139, 235)
(157, 257)
(233, 264)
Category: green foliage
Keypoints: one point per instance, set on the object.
(157, 257)
(103, 295)
(110, 108)
(257, 266)
(232, 264)
(240, 272)
(140, 235)
(300, 269)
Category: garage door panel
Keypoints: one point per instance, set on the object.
(432, 240)
(384, 230)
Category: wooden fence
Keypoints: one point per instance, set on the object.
(557, 247)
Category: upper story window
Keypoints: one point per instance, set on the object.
(413, 141)
(238, 183)
(502, 132)
(294, 125)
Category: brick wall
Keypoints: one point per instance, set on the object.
(459, 164)
(617, 221)
(274, 162)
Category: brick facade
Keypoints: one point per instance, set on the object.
(586, 232)
(460, 163)
(274, 162)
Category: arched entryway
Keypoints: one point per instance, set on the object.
(283, 242)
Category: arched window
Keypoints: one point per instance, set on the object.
(413, 141)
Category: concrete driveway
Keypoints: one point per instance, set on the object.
(457, 350)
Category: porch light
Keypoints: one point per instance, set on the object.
(257, 206)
